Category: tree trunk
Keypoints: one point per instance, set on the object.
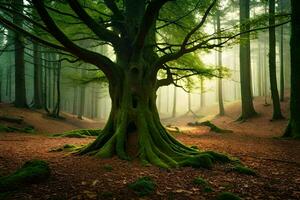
(293, 129)
(281, 55)
(37, 99)
(245, 63)
(75, 100)
(1, 85)
(174, 102)
(45, 83)
(20, 89)
(220, 84)
(134, 120)
(272, 63)
(202, 94)
(82, 98)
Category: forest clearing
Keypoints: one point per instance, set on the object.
(74, 177)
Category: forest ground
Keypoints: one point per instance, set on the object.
(276, 161)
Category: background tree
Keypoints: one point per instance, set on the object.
(245, 62)
(272, 63)
(20, 90)
(293, 128)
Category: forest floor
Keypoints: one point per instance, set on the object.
(254, 142)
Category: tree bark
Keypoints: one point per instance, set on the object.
(37, 99)
(20, 88)
(134, 120)
(281, 49)
(82, 98)
(293, 128)
(220, 81)
(272, 63)
(202, 93)
(245, 63)
(174, 102)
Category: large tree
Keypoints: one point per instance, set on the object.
(141, 33)
(293, 129)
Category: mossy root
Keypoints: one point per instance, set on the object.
(33, 171)
(81, 133)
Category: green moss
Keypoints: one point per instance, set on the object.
(219, 157)
(27, 129)
(203, 160)
(4, 195)
(227, 196)
(143, 186)
(194, 147)
(200, 181)
(66, 147)
(203, 183)
(81, 133)
(212, 127)
(108, 168)
(106, 195)
(33, 171)
(244, 170)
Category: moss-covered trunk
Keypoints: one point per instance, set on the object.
(134, 130)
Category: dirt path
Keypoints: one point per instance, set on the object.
(81, 177)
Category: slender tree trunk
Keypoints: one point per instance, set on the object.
(37, 99)
(220, 82)
(75, 100)
(45, 89)
(202, 94)
(54, 65)
(293, 128)
(1, 84)
(282, 73)
(20, 89)
(259, 68)
(58, 96)
(245, 63)
(82, 99)
(272, 63)
(174, 102)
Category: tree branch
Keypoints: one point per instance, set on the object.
(147, 22)
(102, 62)
(100, 31)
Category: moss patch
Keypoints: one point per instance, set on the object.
(33, 171)
(27, 129)
(66, 147)
(212, 126)
(201, 161)
(227, 196)
(244, 170)
(206, 160)
(81, 133)
(143, 186)
(108, 168)
(203, 183)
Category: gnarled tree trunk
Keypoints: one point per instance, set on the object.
(134, 120)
